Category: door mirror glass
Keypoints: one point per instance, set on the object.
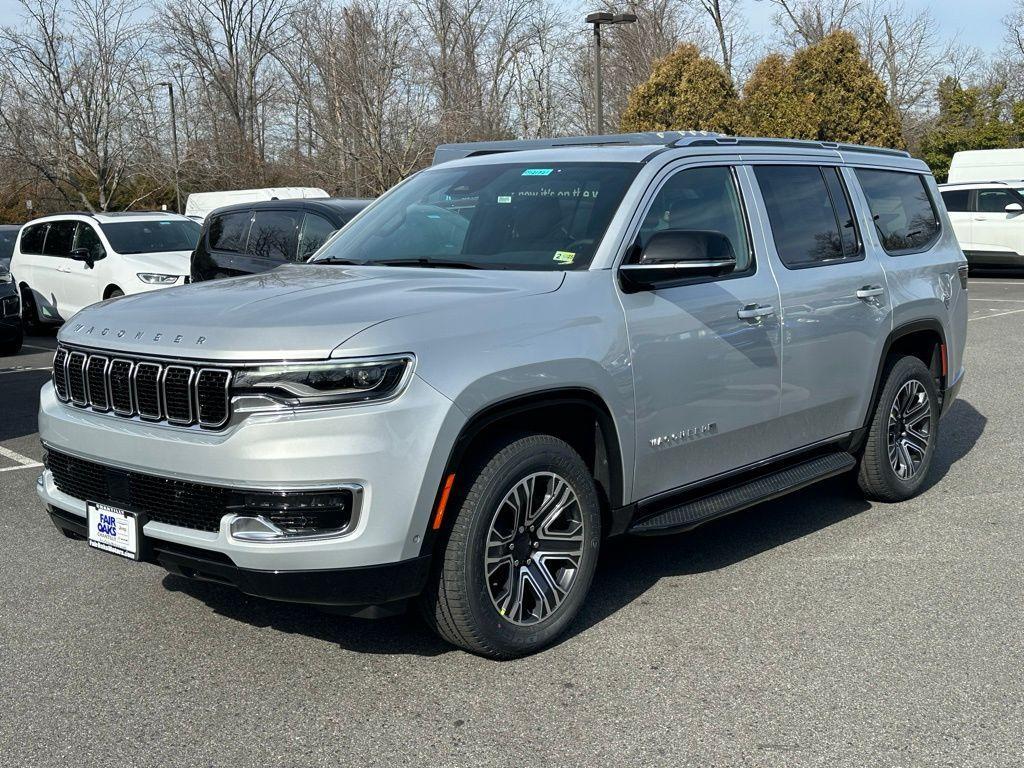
(672, 255)
(1014, 208)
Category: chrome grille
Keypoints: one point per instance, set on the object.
(182, 394)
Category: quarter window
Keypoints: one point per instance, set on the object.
(32, 239)
(59, 238)
(228, 232)
(902, 208)
(810, 214)
(701, 199)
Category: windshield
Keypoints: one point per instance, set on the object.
(152, 236)
(548, 216)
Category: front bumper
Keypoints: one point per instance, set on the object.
(354, 588)
(394, 451)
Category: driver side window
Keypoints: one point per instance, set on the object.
(706, 199)
(87, 238)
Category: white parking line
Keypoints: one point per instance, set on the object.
(1018, 301)
(23, 462)
(42, 349)
(1012, 283)
(22, 370)
(997, 314)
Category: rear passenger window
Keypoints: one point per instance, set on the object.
(810, 214)
(32, 238)
(275, 235)
(702, 199)
(228, 231)
(902, 208)
(59, 238)
(957, 200)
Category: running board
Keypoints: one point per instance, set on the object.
(690, 514)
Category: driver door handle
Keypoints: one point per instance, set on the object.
(755, 312)
(870, 291)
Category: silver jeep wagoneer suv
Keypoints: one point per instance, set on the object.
(522, 350)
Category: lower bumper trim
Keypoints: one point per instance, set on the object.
(363, 586)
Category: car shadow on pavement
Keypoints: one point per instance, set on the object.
(629, 566)
(19, 399)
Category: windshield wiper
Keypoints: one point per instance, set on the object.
(331, 260)
(429, 263)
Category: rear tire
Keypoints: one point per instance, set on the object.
(29, 314)
(903, 433)
(517, 563)
(114, 293)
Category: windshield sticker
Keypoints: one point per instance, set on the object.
(504, 198)
(565, 257)
(538, 171)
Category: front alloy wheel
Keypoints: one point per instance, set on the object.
(515, 565)
(534, 546)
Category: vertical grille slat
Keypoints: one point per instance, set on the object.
(76, 379)
(60, 374)
(182, 394)
(96, 377)
(147, 390)
(120, 378)
(213, 396)
(177, 394)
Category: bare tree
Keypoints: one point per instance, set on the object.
(806, 22)
(731, 40)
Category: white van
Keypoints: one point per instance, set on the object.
(200, 204)
(984, 165)
(68, 261)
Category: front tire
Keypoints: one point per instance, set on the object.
(518, 561)
(903, 433)
(29, 314)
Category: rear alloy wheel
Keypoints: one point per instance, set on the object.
(517, 562)
(903, 432)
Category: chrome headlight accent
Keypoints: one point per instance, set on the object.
(155, 278)
(356, 380)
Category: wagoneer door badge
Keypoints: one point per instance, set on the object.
(685, 436)
(119, 333)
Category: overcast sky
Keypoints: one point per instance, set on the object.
(976, 22)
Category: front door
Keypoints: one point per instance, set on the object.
(706, 379)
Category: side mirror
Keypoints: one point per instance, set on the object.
(1014, 208)
(83, 255)
(673, 255)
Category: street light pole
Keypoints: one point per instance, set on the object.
(174, 146)
(597, 19)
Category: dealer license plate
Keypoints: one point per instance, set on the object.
(113, 530)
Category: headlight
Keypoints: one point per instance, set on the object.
(154, 278)
(331, 382)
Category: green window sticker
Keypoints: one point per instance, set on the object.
(564, 257)
(538, 171)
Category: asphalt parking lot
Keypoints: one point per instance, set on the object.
(819, 630)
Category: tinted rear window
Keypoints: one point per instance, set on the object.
(33, 237)
(228, 231)
(152, 236)
(904, 214)
(59, 238)
(957, 200)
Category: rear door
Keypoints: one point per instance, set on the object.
(836, 311)
(51, 281)
(29, 253)
(273, 239)
(226, 238)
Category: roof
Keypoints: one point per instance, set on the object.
(1014, 183)
(644, 143)
(110, 217)
(341, 205)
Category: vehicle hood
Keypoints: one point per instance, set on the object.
(292, 312)
(163, 262)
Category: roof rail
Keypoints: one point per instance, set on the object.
(66, 213)
(446, 152)
(750, 141)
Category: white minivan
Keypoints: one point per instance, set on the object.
(65, 262)
(988, 218)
